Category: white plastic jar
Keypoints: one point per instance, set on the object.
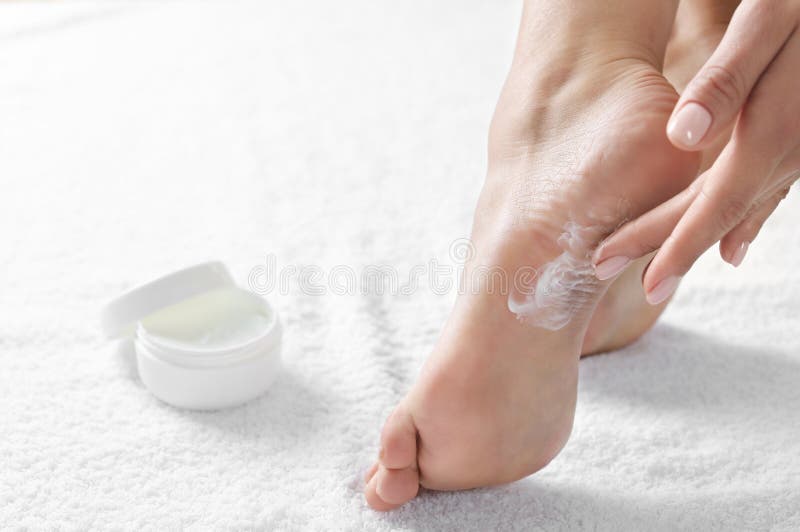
(201, 342)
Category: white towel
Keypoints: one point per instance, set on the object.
(136, 138)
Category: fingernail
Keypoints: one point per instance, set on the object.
(611, 267)
(662, 290)
(738, 255)
(690, 125)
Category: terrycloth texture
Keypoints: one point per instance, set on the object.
(136, 138)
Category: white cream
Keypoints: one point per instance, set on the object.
(563, 285)
(215, 320)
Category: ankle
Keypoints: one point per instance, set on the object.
(542, 98)
(566, 54)
(619, 28)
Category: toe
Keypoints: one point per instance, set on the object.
(395, 480)
(397, 486)
(370, 472)
(399, 441)
(374, 500)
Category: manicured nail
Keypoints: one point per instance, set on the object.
(738, 255)
(611, 267)
(690, 125)
(662, 290)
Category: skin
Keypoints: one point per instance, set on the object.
(748, 103)
(580, 121)
(623, 313)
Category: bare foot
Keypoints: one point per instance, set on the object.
(623, 314)
(580, 147)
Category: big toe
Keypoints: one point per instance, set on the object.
(395, 478)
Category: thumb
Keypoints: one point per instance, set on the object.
(712, 100)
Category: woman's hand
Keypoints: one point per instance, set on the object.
(752, 80)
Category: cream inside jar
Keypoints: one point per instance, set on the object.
(217, 320)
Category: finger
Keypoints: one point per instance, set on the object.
(723, 201)
(733, 246)
(714, 97)
(765, 135)
(641, 236)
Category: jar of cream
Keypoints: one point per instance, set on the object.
(201, 342)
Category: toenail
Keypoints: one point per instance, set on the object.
(611, 267)
(663, 290)
(381, 452)
(738, 255)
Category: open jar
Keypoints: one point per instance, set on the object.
(201, 342)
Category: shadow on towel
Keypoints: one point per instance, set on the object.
(671, 368)
(530, 505)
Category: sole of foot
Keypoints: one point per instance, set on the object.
(495, 401)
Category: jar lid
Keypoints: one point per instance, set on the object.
(120, 315)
